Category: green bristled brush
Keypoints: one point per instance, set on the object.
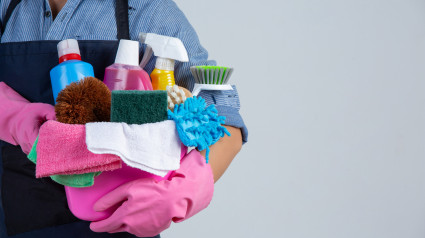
(211, 78)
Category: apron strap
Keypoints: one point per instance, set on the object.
(9, 11)
(121, 16)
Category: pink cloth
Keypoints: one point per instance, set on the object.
(147, 207)
(62, 149)
(20, 120)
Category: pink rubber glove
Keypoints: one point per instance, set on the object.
(148, 207)
(20, 120)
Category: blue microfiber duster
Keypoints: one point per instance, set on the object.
(196, 125)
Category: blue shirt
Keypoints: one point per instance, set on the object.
(95, 20)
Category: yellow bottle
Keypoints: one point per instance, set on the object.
(163, 74)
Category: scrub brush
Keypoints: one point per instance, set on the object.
(211, 78)
(177, 95)
(88, 100)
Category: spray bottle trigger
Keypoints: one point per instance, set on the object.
(146, 56)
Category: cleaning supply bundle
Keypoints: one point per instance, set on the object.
(211, 78)
(70, 68)
(167, 49)
(113, 132)
(125, 73)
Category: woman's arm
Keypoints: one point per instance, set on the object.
(224, 151)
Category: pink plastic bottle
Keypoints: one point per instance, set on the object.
(125, 73)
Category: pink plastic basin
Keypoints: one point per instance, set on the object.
(82, 200)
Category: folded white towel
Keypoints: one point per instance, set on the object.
(152, 147)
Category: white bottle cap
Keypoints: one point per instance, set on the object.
(164, 64)
(128, 53)
(69, 46)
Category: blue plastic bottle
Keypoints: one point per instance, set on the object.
(70, 68)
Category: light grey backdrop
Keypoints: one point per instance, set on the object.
(333, 94)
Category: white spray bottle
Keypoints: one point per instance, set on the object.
(167, 49)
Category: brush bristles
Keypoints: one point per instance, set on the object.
(88, 100)
(211, 74)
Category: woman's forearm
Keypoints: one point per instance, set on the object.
(223, 152)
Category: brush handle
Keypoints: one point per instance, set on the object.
(199, 87)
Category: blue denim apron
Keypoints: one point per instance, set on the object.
(33, 207)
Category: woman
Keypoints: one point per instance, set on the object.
(30, 32)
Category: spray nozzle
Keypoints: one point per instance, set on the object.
(165, 46)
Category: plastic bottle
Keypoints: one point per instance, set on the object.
(125, 73)
(163, 74)
(167, 49)
(70, 68)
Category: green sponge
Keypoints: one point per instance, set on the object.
(139, 107)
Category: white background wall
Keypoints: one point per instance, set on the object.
(333, 93)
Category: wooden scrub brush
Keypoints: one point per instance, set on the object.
(177, 95)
